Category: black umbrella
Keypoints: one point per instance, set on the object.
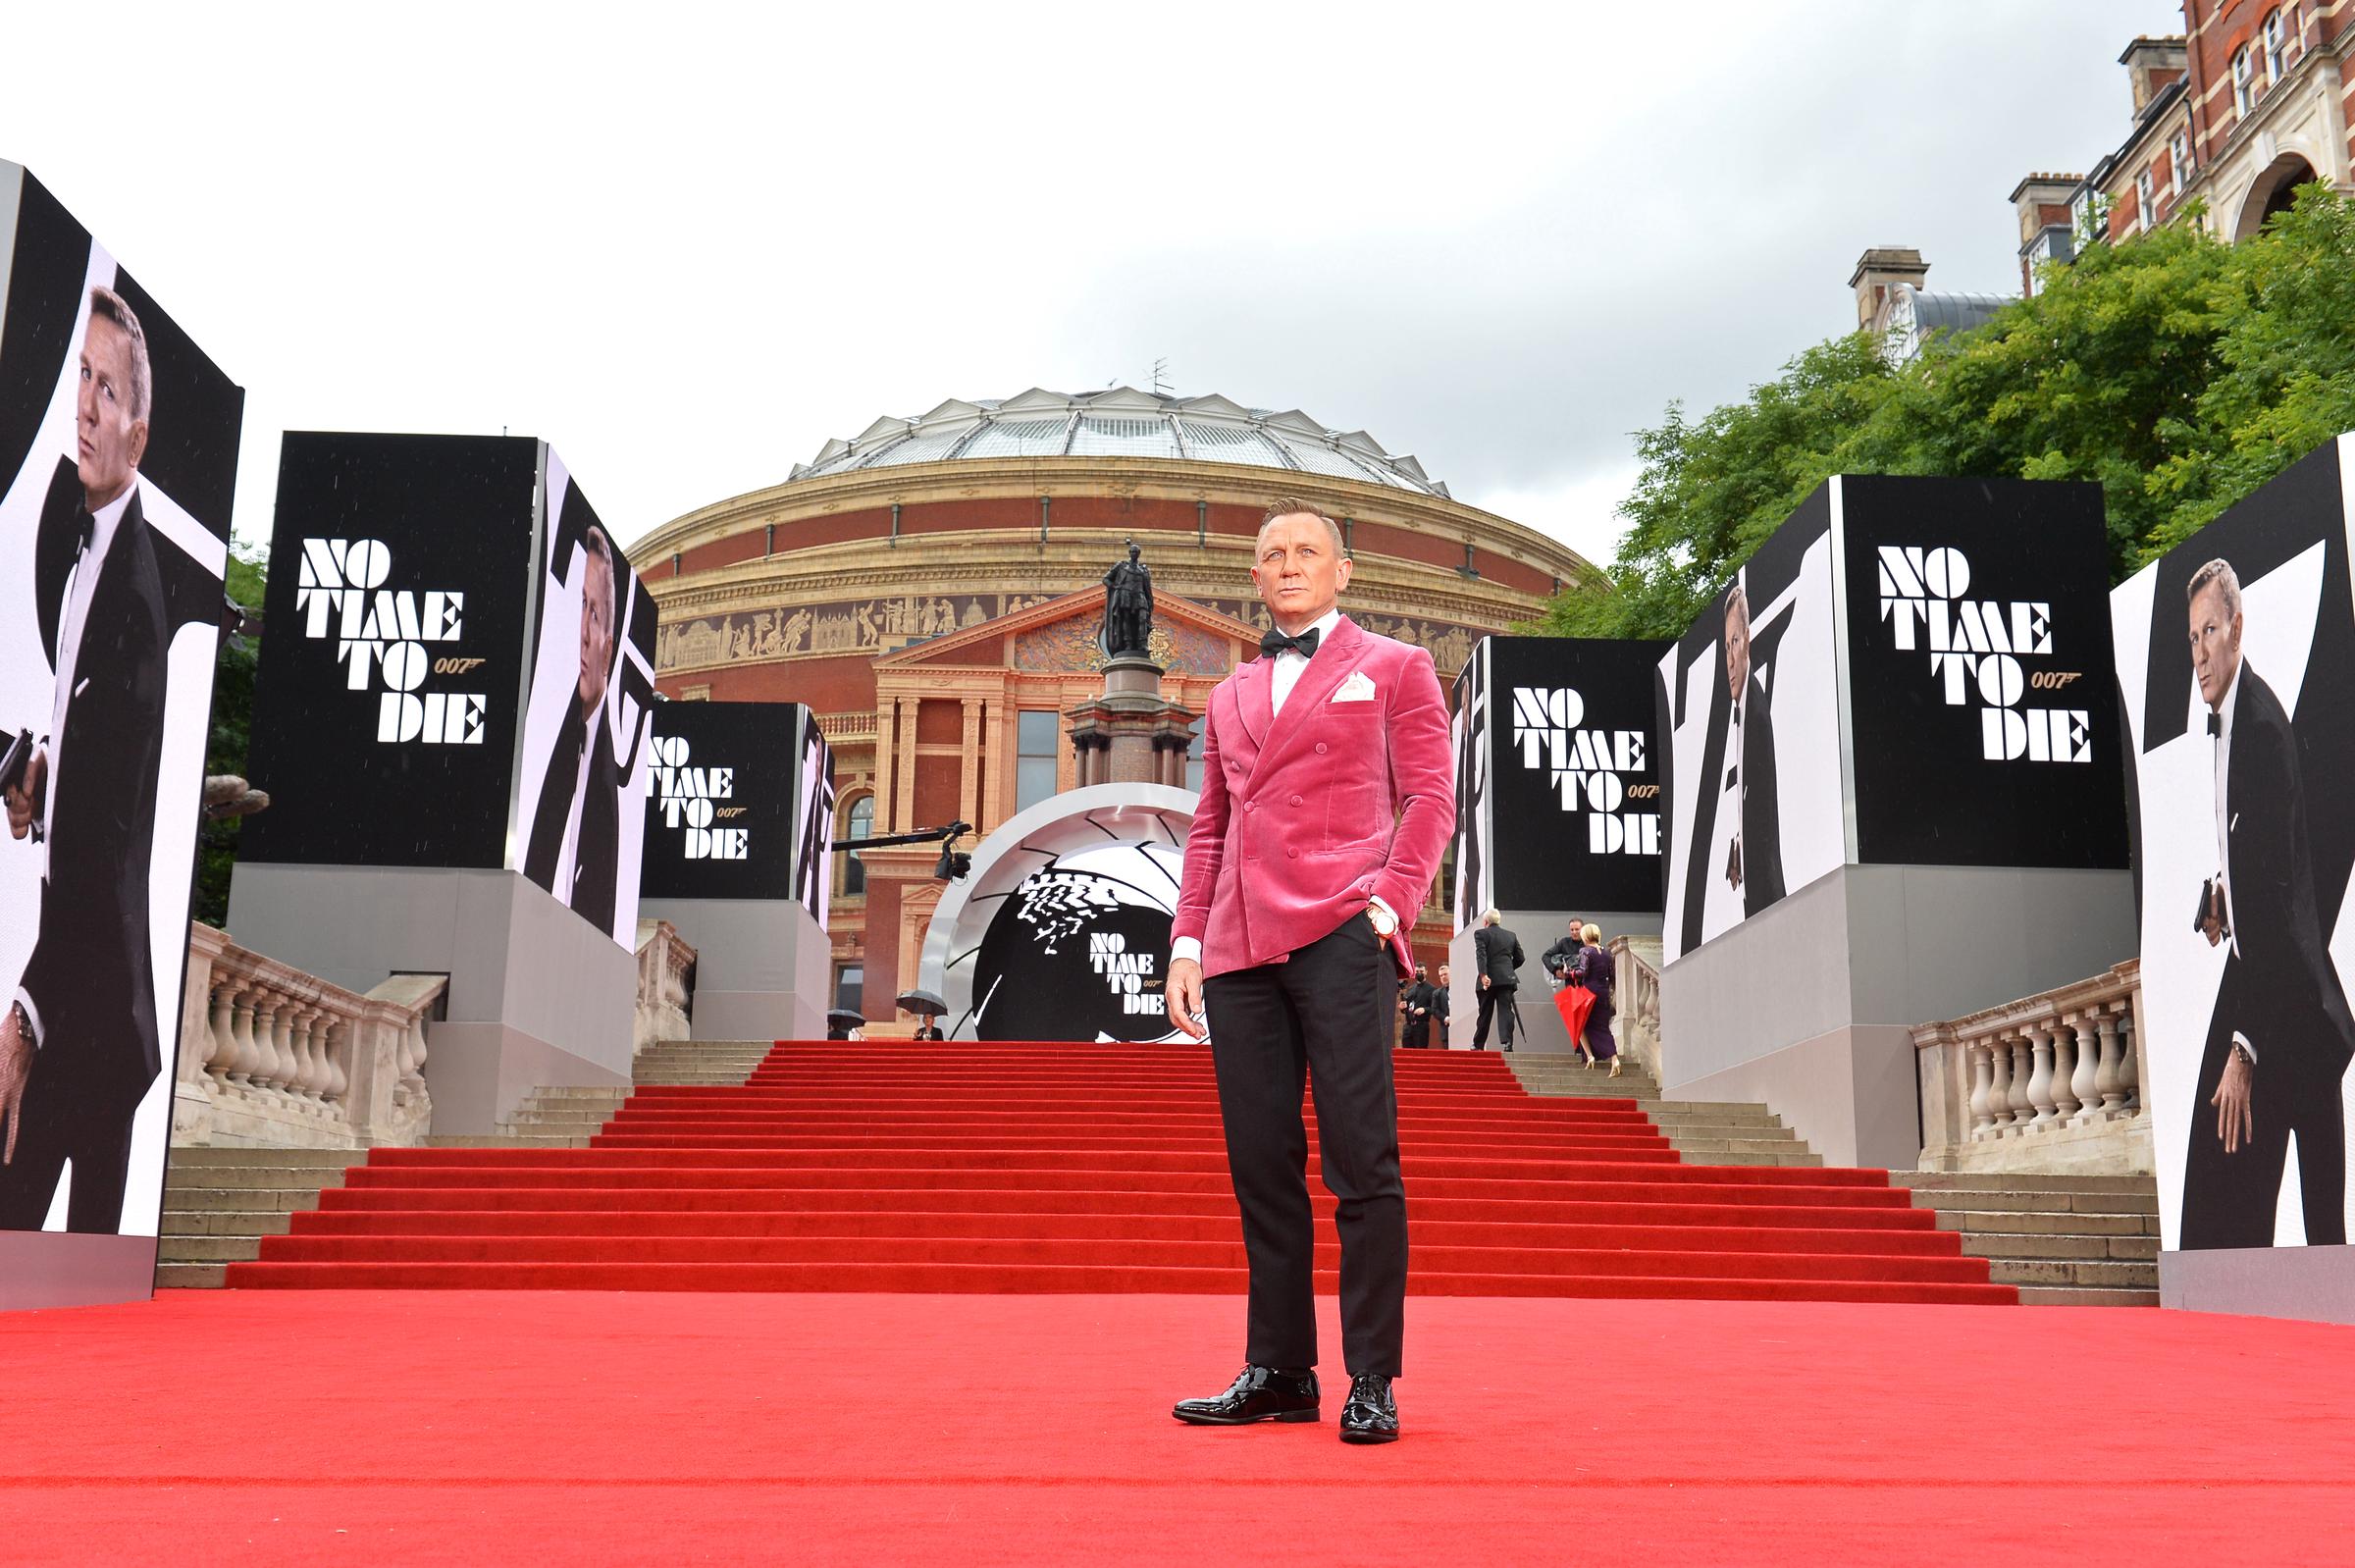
(848, 1018)
(923, 1003)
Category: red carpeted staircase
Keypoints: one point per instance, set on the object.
(882, 1166)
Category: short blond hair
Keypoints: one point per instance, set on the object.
(1294, 506)
(1591, 932)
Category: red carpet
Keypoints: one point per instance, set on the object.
(1095, 1168)
(358, 1428)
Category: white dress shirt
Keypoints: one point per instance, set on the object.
(1737, 786)
(1290, 664)
(81, 587)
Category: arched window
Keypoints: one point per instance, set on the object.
(2244, 81)
(861, 824)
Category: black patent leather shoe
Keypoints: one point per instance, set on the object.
(1261, 1394)
(1370, 1415)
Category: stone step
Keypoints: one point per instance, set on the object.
(2074, 1272)
(1712, 1110)
(226, 1222)
(207, 1249)
(2040, 1202)
(2025, 1222)
(567, 1094)
(1693, 1149)
(189, 1275)
(517, 1140)
(255, 1176)
(213, 1158)
(1999, 1244)
(2063, 1296)
(2021, 1182)
(1804, 1157)
(219, 1200)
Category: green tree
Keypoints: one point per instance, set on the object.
(224, 748)
(2177, 372)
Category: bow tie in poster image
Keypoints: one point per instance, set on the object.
(579, 817)
(728, 806)
(1748, 721)
(117, 461)
(386, 702)
(2235, 659)
(1984, 724)
(1569, 783)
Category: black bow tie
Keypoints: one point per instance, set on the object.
(1305, 644)
(85, 528)
(2216, 722)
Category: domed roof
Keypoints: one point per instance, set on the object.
(1122, 422)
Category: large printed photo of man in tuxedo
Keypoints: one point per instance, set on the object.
(588, 720)
(2280, 1036)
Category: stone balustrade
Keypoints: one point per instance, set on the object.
(665, 964)
(1636, 961)
(273, 1058)
(2051, 1082)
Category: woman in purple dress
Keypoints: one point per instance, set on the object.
(1593, 970)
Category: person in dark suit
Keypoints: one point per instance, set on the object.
(1416, 1034)
(927, 1029)
(1497, 956)
(2281, 1036)
(1440, 1003)
(1754, 865)
(576, 832)
(1558, 961)
(79, 1045)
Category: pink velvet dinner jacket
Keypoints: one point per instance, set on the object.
(1306, 816)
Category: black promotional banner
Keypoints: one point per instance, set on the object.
(1572, 780)
(119, 443)
(724, 805)
(387, 700)
(2236, 660)
(583, 761)
(813, 834)
(1983, 712)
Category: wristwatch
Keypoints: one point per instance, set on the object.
(1384, 922)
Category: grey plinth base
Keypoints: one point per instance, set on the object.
(1538, 929)
(763, 967)
(1808, 1006)
(537, 995)
(57, 1269)
(2312, 1282)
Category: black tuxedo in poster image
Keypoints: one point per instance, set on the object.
(117, 461)
(2237, 672)
(1749, 730)
(387, 701)
(580, 815)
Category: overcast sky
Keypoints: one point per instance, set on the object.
(687, 247)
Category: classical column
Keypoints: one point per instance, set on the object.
(887, 759)
(904, 766)
(1982, 1075)
(2040, 1080)
(2024, 1108)
(968, 780)
(993, 777)
(1999, 1085)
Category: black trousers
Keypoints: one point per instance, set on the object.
(1498, 1000)
(1326, 1015)
(57, 1128)
(2229, 1200)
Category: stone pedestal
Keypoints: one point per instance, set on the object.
(1132, 733)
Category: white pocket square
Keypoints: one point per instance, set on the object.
(1357, 689)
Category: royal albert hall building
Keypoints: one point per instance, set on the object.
(934, 589)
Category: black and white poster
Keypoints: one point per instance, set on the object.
(1475, 891)
(2235, 657)
(726, 809)
(813, 834)
(1750, 727)
(580, 819)
(389, 691)
(1979, 642)
(1572, 779)
(118, 460)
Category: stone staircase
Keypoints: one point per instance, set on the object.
(220, 1202)
(2064, 1241)
(1702, 1131)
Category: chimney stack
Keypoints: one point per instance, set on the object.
(1879, 272)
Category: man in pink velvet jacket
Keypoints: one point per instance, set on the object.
(1328, 795)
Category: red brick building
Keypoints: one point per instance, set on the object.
(932, 588)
